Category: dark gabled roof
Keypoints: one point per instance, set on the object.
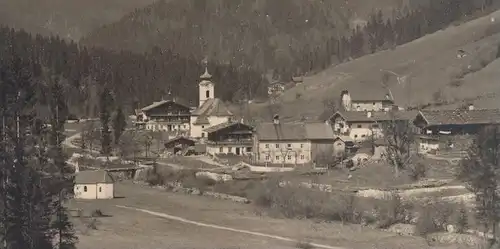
(212, 107)
(175, 100)
(178, 138)
(224, 125)
(93, 177)
(461, 117)
(294, 131)
(357, 116)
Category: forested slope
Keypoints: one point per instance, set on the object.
(135, 79)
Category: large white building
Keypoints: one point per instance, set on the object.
(211, 111)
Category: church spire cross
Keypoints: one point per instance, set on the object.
(206, 75)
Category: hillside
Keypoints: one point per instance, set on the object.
(285, 35)
(434, 73)
(66, 18)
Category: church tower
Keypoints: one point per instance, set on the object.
(206, 86)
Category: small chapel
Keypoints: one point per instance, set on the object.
(211, 111)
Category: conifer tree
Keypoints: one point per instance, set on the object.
(119, 124)
(62, 181)
(481, 173)
(105, 102)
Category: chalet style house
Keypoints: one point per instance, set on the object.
(360, 126)
(211, 111)
(229, 138)
(455, 122)
(293, 143)
(373, 100)
(171, 115)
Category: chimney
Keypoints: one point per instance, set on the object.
(369, 114)
(276, 119)
(471, 107)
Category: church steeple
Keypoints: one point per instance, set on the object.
(206, 75)
(206, 87)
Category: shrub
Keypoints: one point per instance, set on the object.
(392, 211)
(304, 245)
(97, 213)
(433, 218)
(418, 171)
(462, 219)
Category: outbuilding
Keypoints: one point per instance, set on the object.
(94, 185)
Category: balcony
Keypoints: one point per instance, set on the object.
(231, 142)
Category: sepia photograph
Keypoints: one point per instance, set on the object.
(250, 124)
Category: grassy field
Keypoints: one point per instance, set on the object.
(430, 63)
(131, 229)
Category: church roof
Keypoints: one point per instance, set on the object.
(159, 103)
(93, 177)
(212, 107)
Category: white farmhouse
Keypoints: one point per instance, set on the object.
(94, 185)
(211, 111)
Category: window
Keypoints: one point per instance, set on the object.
(203, 127)
(249, 149)
(267, 146)
(277, 146)
(302, 157)
(203, 134)
(359, 126)
(267, 158)
(374, 103)
(363, 135)
(289, 145)
(277, 157)
(221, 149)
(375, 126)
(355, 136)
(301, 146)
(84, 188)
(207, 94)
(289, 157)
(339, 144)
(100, 189)
(229, 149)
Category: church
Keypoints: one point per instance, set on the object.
(211, 111)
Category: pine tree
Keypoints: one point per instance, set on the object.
(62, 182)
(119, 124)
(481, 173)
(105, 103)
(25, 193)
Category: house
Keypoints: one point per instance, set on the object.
(454, 122)
(360, 126)
(427, 144)
(170, 115)
(293, 143)
(178, 144)
(343, 145)
(94, 185)
(211, 111)
(276, 88)
(230, 138)
(373, 100)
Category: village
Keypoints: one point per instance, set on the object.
(206, 150)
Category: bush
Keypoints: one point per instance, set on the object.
(392, 211)
(304, 245)
(418, 171)
(462, 219)
(97, 213)
(433, 218)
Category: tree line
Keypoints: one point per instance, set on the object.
(35, 180)
(288, 37)
(134, 79)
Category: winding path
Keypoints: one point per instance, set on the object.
(183, 220)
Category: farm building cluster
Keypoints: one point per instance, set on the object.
(212, 128)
